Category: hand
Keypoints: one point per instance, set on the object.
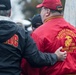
(61, 55)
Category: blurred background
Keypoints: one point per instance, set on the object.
(23, 10)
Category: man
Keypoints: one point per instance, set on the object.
(36, 21)
(16, 44)
(56, 32)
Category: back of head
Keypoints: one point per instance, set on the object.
(36, 21)
(50, 8)
(51, 4)
(5, 6)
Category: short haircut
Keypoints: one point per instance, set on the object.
(4, 12)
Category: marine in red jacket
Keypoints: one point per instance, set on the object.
(56, 32)
(26, 68)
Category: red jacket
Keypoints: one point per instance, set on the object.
(27, 69)
(51, 35)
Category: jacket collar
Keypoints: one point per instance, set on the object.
(5, 18)
(53, 17)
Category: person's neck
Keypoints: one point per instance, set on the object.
(53, 16)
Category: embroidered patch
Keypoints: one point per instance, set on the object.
(68, 38)
(13, 41)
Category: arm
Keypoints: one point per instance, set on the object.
(37, 58)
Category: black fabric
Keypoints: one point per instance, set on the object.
(36, 21)
(6, 28)
(11, 56)
(5, 4)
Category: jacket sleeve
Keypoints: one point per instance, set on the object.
(35, 57)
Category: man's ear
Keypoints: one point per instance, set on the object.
(48, 12)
